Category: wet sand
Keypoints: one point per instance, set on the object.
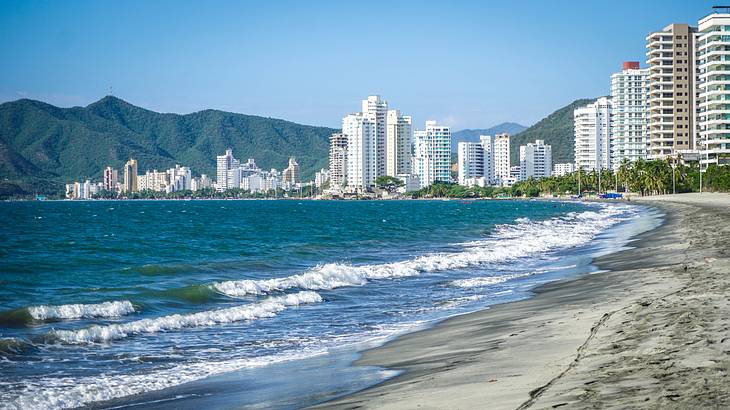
(651, 331)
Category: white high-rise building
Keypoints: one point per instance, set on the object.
(471, 162)
(563, 169)
(476, 161)
(536, 160)
(378, 108)
(502, 160)
(398, 144)
(361, 132)
(180, 178)
(593, 135)
(713, 50)
(338, 160)
(629, 122)
(224, 164)
(672, 90)
(432, 161)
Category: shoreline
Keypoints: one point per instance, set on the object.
(560, 346)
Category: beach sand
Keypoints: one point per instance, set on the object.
(652, 330)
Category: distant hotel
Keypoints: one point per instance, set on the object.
(486, 162)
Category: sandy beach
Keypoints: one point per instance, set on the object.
(651, 330)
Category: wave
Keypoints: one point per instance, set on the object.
(486, 280)
(507, 243)
(267, 308)
(82, 311)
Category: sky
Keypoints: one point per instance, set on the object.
(467, 64)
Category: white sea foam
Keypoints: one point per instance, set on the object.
(266, 308)
(507, 243)
(79, 311)
(69, 392)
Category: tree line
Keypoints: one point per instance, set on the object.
(642, 177)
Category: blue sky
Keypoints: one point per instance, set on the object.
(467, 64)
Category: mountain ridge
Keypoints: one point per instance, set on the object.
(43, 146)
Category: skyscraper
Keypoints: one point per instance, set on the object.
(291, 173)
(536, 160)
(470, 162)
(671, 60)
(593, 135)
(629, 122)
(398, 143)
(111, 179)
(225, 163)
(338, 160)
(714, 82)
(502, 161)
(130, 176)
(361, 132)
(433, 154)
(378, 108)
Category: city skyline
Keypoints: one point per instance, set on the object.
(479, 56)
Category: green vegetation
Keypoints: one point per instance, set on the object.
(42, 147)
(388, 183)
(641, 177)
(557, 131)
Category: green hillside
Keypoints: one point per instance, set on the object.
(43, 147)
(556, 129)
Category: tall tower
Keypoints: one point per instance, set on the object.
(671, 60)
(130, 176)
(433, 154)
(398, 146)
(361, 131)
(714, 85)
(502, 160)
(629, 122)
(378, 108)
(338, 160)
(593, 135)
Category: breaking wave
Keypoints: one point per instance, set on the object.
(82, 311)
(508, 242)
(266, 308)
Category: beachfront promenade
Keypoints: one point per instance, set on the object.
(651, 331)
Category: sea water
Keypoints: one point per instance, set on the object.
(104, 302)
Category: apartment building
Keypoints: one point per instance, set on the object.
(629, 120)
(432, 160)
(536, 160)
(592, 130)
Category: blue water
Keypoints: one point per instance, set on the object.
(105, 300)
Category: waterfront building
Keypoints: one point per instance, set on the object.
(563, 169)
(179, 178)
(470, 159)
(713, 51)
(321, 178)
(536, 160)
(502, 164)
(672, 81)
(198, 184)
(158, 181)
(290, 175)
(338, 160)
(629, 119)
(361, 132)
(111, 179)
(432, 161)
(398, 144)
(378, 109)
(130, 176)
(224, 164)
(593, 135)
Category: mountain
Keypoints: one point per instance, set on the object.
(556, 129)
(472, 135)
(43, 147)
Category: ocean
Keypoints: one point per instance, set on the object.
(175, 304)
